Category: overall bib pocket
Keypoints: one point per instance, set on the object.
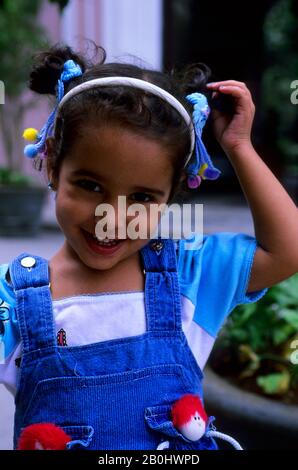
(113, 405)
(158, 418)
(81, 436)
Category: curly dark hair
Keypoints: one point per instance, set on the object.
(143, 112)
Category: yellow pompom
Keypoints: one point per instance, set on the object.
(30, 134)
(202, 170)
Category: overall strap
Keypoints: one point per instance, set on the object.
(162, 291)
(30, 280)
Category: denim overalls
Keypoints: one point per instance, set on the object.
(114, 394)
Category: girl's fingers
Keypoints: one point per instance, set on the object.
(227, 82)
(230, 85)
(236, 92)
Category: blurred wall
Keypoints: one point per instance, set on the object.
(49, 18)
(122, 27)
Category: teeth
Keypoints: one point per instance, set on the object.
(106, 242)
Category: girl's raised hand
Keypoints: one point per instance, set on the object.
(233, 131)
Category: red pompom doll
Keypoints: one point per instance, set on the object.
(43, 436)
(189, 417)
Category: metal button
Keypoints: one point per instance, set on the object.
(28, 262)
(156, 245)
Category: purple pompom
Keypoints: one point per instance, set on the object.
(193, 181)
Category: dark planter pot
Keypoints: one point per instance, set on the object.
(255, 421)
(20, 210)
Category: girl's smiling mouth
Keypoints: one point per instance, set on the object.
(102, 247)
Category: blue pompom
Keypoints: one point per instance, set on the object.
(30, 151)
(211, 173)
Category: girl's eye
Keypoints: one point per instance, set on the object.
(89, 185)
(142, 197)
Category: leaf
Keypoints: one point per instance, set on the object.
(267, 330)
(286, 292)
(290, 316)
(282, 334)
(238, 335)
(248, 355)
(13, 178)
(247, 313)
(275, 384)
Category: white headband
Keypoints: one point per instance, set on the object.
(143, 85)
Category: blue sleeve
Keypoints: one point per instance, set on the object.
(215, 274)
(9, 331)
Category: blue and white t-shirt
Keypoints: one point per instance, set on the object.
(213, 277)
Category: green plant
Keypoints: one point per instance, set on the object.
(13, 178)
(259, 342)
(20, 37)
(281, 49)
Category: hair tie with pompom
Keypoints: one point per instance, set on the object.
(202, 167)
(70, 70)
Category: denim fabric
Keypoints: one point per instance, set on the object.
(105, 389)
(159, 419)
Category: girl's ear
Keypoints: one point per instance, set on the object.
(183, 182)
(50, 150)
(180, 187)
(183, 178)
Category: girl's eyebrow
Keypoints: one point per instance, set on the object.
(87, 173)
(149, 190)
(93, 175)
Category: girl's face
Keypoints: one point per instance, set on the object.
(105, 163)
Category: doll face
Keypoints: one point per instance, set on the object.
(194, 429)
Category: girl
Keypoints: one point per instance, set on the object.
(103, 338)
